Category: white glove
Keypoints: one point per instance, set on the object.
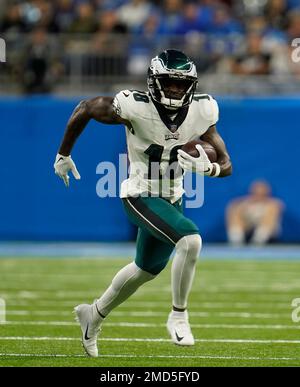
(64, 164)
(200, 164)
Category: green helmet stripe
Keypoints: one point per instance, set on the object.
(175, 60)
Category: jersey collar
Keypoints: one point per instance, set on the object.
(172, 125)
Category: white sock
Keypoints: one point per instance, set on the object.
(179, 315)
(123, 285)
(261, 235)
(236, 236)
(183, 268)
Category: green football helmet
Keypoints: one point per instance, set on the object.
(172, 79)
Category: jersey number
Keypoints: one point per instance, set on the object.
(198, 97)
(155, 151)
(141, 97)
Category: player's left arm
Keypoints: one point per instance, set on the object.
(213, 137)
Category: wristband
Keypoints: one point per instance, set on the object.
(217, 171)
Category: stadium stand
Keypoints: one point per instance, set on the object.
(73, 46)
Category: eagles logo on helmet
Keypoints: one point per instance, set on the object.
(172, 79)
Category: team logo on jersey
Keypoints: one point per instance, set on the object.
(172, 136)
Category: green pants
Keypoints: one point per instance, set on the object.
(160, 226)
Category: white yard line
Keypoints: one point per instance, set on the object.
(162, 340)
(38, 313)
(152, 356)
(148, 313)
(250, 272)
(155, 304)
(62, 296)
(159, 325)
(226, 288)
(53, 323)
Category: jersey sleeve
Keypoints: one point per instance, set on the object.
(122, 104)
(214, 111)
(208, 108)
(211, 110)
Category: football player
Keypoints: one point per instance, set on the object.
(158, 122)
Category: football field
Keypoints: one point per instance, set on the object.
(240, 313)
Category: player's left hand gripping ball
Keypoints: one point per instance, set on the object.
(64, 164)
(201, 164)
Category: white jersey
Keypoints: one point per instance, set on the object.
(154, 138)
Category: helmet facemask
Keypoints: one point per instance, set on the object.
(172, 87)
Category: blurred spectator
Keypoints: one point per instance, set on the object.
(84, 21)
(47, 16)
(41, 66)
(293, 4)
(148, 35)
(108, 50)
(107, 39)
(26, 16)
(222, 36)
(64, 14)
(170, 16)
(276, 14)
(256, 25)
(194, 18)
(223, 22)
(255, 218)
(3, 8)
(13, 21)
(293, 29)
(134, 13)
(254, 61)
(283, 65)
(38, 13)
(245, 8)
(105, 5)
(143, 45)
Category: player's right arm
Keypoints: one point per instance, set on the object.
(101, 109)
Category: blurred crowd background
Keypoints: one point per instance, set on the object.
(72, 46)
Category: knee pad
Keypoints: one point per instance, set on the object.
(194, 243)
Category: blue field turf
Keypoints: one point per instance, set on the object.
(111, 250)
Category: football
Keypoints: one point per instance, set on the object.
(190, 148)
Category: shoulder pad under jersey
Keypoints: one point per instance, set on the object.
(128, 103)
(208, 108)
